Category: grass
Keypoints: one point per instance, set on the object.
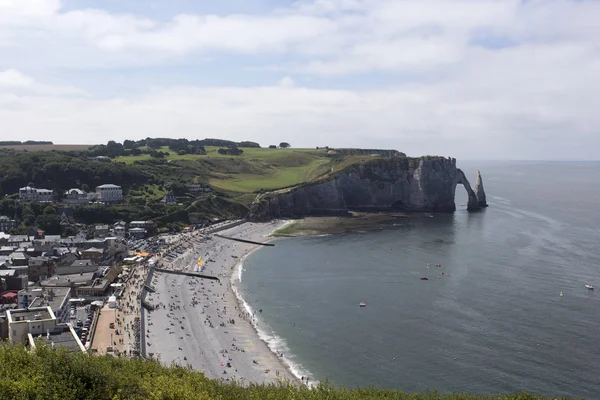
(282, 177)
(55, 374)
(256, 169)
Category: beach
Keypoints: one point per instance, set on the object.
(199, 322)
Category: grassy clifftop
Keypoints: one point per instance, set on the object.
(54, 374)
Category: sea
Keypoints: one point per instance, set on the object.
(507, 310)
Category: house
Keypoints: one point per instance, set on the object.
(12, 280)
(119, 230)
(15, 240)
(36, 232)
(40, 268)
(19, 258)
(29, 193)
(169, 199)
(100, 231)
(6, 250)
(7, 224)
(75, 197)
(94, 254)
(109, 194)
(194, 188)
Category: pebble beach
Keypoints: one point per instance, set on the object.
(200, 323)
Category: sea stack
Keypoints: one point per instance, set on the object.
(479, 191)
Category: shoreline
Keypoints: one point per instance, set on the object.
(236, 281)
(206, 325)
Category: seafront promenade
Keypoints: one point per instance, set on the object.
(198, 322)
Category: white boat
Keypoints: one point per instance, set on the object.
(363, 304)
(590, 287)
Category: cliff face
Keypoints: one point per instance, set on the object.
(398, 183)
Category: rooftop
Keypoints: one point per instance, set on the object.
(53, 297)
(108, 186)
(63, 338)
(30, 314)
(67, 280)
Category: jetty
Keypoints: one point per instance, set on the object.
(244, 240)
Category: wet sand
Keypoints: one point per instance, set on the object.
(199, 323)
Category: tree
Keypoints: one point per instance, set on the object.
(284, 145)
(128, 144)
(272, 146)
(49, 211)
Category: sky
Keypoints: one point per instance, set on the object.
(472, 79)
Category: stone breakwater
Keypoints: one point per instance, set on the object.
(390, 184)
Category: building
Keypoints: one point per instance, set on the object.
(90, 285)
(149, 226)
(94, 254)
(36, 232)
(16, 240)
(119, 230)
(57, 298)
(29, 193)
(19, 259)
(7, 224)
(11, 280)
(40, 268)
(169, 199)
(100, 231)
(194, 188)
(76, 197)
(31, 321)
(25, 326)
(137, 233)
(110, 194)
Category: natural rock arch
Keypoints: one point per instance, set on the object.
(472, 203)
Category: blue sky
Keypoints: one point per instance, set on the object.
(473, 79)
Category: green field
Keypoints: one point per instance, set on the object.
(282, 177)
(256, 169)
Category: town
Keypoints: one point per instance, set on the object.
(81, 292)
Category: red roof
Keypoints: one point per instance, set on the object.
(9, 295)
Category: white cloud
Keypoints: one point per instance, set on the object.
(14, 78)
(287, 82)
(436, 77)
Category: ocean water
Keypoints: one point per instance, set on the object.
(493, 323)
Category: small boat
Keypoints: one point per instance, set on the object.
(363, 304)
(424, 278)
(590, 287)
(438, 265)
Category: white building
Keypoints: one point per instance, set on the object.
(29, 193)
(27, 325)
(76, 197)
(34, 321)
(109, 193)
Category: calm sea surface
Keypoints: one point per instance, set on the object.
(495, 323)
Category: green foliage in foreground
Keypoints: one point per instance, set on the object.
(54, 374)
